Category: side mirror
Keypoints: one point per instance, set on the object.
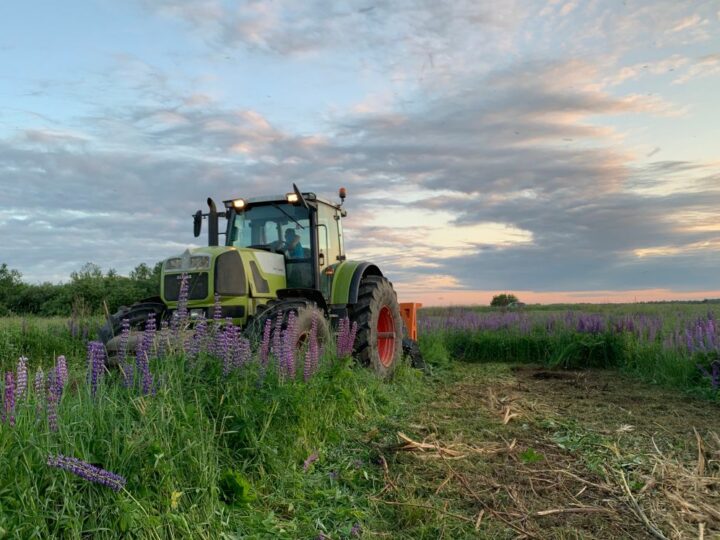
(197, 223)
(321, 259)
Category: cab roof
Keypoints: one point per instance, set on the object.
(310, 196)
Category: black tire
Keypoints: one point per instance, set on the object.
(304, 311)
(412, 351)
(378, 344)
(137, 315)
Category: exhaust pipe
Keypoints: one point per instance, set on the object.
(212, 223)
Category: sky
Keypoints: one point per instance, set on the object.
(563, 150)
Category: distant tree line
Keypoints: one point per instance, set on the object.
(83, 294)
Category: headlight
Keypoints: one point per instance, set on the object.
(199, 262)
(173, 264)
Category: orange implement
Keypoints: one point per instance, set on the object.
(408, 311)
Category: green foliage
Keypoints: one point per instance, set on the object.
(88, 288)
(235, 489)
(503, 300)
(531, 456)
(205, 456)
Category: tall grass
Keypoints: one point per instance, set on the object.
(674, 348)
(208, 455)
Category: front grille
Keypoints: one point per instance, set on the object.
(197, 286)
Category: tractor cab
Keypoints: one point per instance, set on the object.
(301, 227)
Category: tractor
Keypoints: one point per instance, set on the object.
(281, 254)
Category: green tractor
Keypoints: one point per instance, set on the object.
(281, 254)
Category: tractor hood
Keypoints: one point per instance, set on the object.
(228, 272)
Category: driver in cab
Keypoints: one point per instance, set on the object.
(293, 247)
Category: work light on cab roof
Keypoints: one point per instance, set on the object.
(280, 255)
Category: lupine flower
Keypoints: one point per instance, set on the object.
(163, 339)
(312, 355)
(21, 384)
(62, 371)
(39, 390)
(217, 308)
(289, 345)
(125, 366)
(713, 375)
(277, 338)
(230, 336)
(96, 365)
(124, 337)
(89, 472)
(265, 345)
(243, 354)
(221, 343)
(312, 458)
(345, 341)
(356, 530)
(196, 341)
(8, 412)
(53, 399)
(180, 316)
(265, 349)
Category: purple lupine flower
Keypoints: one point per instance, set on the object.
(264, 351)
(147, 379)
(222, 343)
(312, 458)
(197, 340)
(217, 308)
(53, 399)
(346, 337)
(277, 338)
(62, 371)
(163, 339)
(143, 353)
(312, 354)
(180, 317)
(39, 390)
(229, 344)
(88, 472)
(689, 342)
(713, 375)
(265, 345)
(96, 365)
(289, 345)
(340, 337)
(21, 378)
(8, 412)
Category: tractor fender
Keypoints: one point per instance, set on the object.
(346, 281)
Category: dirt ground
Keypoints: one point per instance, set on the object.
(526, 452)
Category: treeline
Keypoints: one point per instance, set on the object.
(84, 294)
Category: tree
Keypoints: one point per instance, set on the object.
(503, 300)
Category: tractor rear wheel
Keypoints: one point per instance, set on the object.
(380, 327)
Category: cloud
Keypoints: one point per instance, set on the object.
(503, 165)
(706, 66)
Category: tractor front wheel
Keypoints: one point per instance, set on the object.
(380, 327)
(137, 315)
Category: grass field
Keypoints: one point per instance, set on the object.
(546, 430)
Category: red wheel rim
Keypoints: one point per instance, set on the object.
(386, 336)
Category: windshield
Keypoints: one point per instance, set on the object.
(282, 228)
